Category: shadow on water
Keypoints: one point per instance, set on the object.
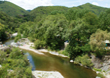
(49, 62)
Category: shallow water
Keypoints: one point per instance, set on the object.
(8, 42)
(49, 62)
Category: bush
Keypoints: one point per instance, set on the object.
(16, 39)
(84, 60)
(97, 69)
(2, 57)
(63, 52)
(16, 53)
(100, 53)
(39, 44)
(31, 39)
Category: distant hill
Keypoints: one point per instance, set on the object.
(95, 9)
(45, 10)
(11, 9)
(29, 10)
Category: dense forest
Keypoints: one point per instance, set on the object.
(85, 27)
(52, 27)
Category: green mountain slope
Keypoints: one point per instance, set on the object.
(11, 23)
(45, 10)
(11, 9)
(95, 9)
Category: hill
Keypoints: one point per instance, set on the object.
(11, 9)
(45, 10)
(95, 9)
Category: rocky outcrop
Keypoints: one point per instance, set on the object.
(98, 63)
(103, 63)
(46, 74)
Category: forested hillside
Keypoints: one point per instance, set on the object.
(93, 8)
(43, 11)
(11, 9)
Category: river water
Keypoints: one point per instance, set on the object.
(49, 62)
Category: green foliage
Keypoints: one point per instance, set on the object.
(97, 42)
(73, 14)
(3, 35)
(14, 66)
(11, 9)
(15, 54)
(31, 39)
(78, 35)
(27, 29)
(17, 37)
(84, 60)
(39, 44)
(93, 8)
(2, 57)
(42, 11)
(10, 23)
(104, 21)
(51, 30)
(86, 48)
(70, 13)
(97, 69)
(91, 18)
(64, 52)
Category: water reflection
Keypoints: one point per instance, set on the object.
(30, 60)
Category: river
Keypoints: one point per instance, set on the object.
(49, 62)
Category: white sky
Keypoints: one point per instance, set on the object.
(31, 4)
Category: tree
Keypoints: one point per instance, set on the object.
(73, 14)
(97, 41)
(104, 21)
(2, 32)
(78, 36)
(51, 30)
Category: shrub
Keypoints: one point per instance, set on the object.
(31, 39)
(39, 44)
(16, 53)
(16, 39)
(97, 69)
(84, 60)
(65, 53)
(2, 57)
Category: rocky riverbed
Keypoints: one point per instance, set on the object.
(103, 64)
